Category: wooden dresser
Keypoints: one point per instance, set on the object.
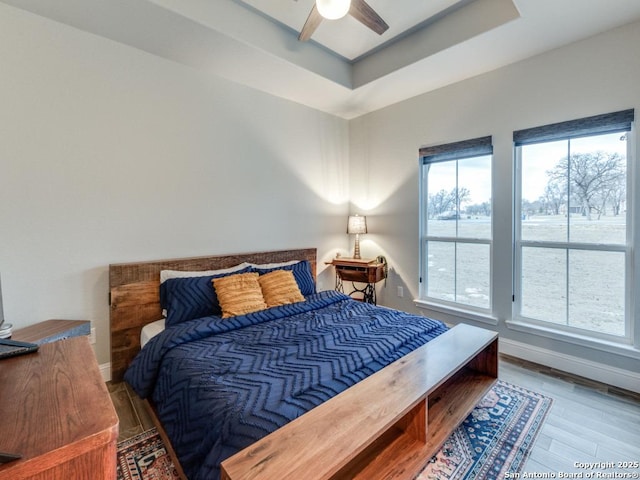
(52, 330)
(56, 412)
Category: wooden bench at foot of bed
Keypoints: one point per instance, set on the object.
(388, 425)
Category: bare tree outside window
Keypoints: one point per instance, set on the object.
(457, 245)
(593, 178)
(572, 233)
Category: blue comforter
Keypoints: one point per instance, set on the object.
(221, 384)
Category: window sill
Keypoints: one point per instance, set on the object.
(457, 312)
(576, 339)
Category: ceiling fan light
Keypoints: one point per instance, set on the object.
(333, 9)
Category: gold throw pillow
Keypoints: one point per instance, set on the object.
(280, 288)
(239, 294)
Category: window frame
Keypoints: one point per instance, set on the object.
(616, 122)
(456, 151)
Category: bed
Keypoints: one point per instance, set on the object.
(222, 388)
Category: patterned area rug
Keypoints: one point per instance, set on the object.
(495, 439)
(144, 457)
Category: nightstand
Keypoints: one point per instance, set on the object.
(52, 330)
(368, 272)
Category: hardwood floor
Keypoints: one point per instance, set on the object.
(132, 411)
(588, 421)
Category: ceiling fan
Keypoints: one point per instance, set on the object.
(335, 9)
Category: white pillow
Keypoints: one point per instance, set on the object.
(167, 274)
(266, 266)
(151, 330)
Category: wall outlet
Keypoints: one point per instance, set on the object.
(92, 336)
(400, 291)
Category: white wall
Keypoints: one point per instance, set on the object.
(109, 154)
(597, 75)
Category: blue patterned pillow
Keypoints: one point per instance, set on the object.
(301, 272)
(191, 297)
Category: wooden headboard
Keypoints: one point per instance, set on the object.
(134, 294)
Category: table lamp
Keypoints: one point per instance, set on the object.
(356, 226)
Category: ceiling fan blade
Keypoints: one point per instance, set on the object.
(361, 11)
(313, 20)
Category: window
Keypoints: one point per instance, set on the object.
(572, 235)
(455, 229)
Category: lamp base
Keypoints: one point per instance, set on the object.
(356, 248)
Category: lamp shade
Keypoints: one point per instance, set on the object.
(357, 224)
(333, 9)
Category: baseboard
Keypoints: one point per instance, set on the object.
(578, 366)
(105, 370)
